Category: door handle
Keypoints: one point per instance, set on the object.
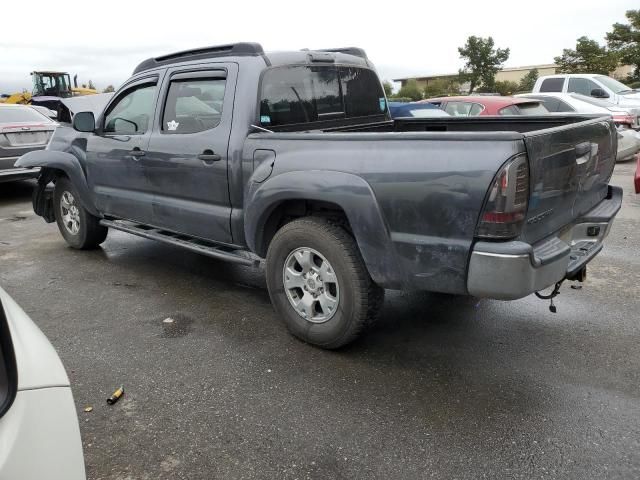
(209, 156)
(136, 152)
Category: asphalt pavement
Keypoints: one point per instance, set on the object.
(442, 387)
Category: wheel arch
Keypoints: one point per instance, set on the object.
(53, 163)
(344, 197)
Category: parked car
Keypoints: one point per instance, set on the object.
(591, 85)
(415, 109)
(636, 178)
(470, 106)
(316, 177)
(39, 431)
(22, 130)
(625, 118)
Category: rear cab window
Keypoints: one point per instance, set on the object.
(319, 96)
(552, 85)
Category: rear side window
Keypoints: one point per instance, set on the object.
(476, 110)
(551, 103)
(510, 110)
(552, 85)
(458, 109)
(193, 105)
(564, 107)
(301, 94)
(533, 108)
(131, 113)
(582, 86)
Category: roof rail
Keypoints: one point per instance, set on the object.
(355, 51)
(230, 50)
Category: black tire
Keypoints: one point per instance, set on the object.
(89, 232)
(360, 299)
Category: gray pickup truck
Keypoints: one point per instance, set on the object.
(292, 156)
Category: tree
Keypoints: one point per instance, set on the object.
(528, 81)
(91, 85)
(388, 88)
(441, 87)
(505, 87)
(109, 89)
(625, 41)
(410, 90)
(588, 57)
(482, 62)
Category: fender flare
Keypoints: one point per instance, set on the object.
(67, 163)
(350, 192)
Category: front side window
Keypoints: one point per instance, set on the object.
(552, 85)
(132, 112)
(582, 86)
(193, 105)
(308, 94)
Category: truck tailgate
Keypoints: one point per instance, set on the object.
(570, 167)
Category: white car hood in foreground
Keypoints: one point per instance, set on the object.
(38, 363)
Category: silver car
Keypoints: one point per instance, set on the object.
(39, 431)
(22, 129)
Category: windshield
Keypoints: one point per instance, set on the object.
(21, 115)
(612, 84)
(51, 83)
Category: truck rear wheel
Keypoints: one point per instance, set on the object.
(319, 284)
(79, 228)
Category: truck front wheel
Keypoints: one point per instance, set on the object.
(319, 284)
(79, 228)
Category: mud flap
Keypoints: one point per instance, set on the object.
(43, 198)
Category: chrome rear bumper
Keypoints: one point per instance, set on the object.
(512, 270)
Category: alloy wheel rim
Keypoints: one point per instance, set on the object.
(311, 285)
(70, 213)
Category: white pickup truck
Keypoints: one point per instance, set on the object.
(591, 85)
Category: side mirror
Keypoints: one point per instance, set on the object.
(599, 93)
(84, 122)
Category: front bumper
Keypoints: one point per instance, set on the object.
(512, 270)
(9, 173)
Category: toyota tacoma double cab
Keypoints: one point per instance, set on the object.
(292, 157)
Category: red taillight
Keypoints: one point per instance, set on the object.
(505, 209)
(625, 118)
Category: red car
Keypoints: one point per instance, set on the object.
(470, 106)
(636, 180)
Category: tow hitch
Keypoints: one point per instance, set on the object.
(579, 276)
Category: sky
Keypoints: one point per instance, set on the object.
(402, 39)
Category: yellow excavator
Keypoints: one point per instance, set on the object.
(48, 88)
